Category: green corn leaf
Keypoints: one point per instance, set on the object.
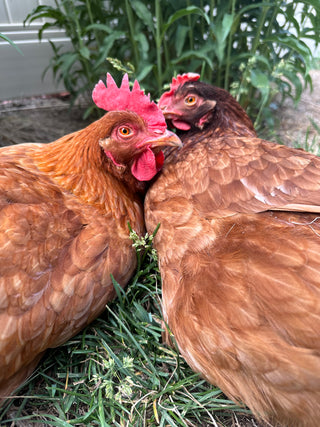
(261, 82)
(181, 13)
(221, 31)
(84, 52)
(181, 35)
(143, 13)
(2, 36)
(101, 27)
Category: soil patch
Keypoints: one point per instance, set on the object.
(39, 119)
(301, 121)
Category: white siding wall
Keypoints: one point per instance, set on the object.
(20, 75)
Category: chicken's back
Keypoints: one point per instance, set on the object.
(241, 288)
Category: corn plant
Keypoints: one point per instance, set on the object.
(253, 48)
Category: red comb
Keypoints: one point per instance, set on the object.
(176, 82)
(112, 98)
(183, 78)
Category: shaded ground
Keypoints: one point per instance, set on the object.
(39, 119)
(296, 122)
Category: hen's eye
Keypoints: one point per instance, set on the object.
(190, 100)
(125, 131)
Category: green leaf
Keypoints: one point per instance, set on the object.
(222, 29)
(248, 8)
(314, 3)
(292, 43)
(44, 27)
(184, 12)
(45, 12)
(2, 36)
(66, 61)
(101, 27)
(261, 82)
(295, 80)
(194, 54)
(221, 32)
(144, 44)
(107, 45)
(143, 13)
(181, 35)
(144, 71)
(85, 52)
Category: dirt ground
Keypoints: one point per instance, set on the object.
(295, 122)
(47, 118)
(39, 119)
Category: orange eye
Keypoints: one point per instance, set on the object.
(125, 131)
(190, 100)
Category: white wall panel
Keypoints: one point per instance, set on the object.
(21, 75)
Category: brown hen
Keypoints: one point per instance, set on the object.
(64, 213)
(239, 253)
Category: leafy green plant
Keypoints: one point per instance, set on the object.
(253, 48)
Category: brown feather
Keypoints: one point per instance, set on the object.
(239, 248)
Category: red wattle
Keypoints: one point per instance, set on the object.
(180, 125)
(159, 160)
(145, 167)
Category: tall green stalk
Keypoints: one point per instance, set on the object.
(191, 36)
(70, 11)
(211, 18)
(230, 39)
(270, 26)
(253, 51)
(158, 44)
(96, 33)
(261, 23)
(132, 32)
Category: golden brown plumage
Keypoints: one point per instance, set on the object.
(64, 213)
(239, 246)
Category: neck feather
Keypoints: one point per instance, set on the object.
(77, 163)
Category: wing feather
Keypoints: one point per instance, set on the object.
(56, 257)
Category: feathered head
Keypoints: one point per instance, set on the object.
(176, 82)
(112, 98)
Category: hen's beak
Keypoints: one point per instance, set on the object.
(168, 113)
(167, 138)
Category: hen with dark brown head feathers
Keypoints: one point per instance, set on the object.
(238, 250)
(191, 106)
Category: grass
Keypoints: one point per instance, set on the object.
(311, 141)
(117, 372)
